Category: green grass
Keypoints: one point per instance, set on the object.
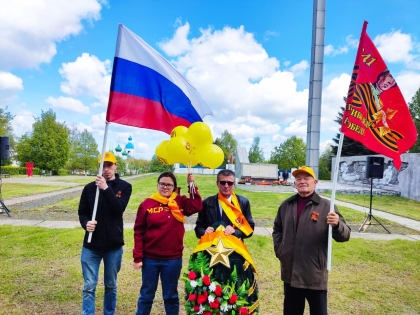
(12, 190)
(41, 274)
(83, 180)
(393, 204)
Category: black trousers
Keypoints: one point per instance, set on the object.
(294, 301)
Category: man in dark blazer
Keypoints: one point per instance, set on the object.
(214, 215)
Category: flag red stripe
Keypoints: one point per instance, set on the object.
(131, 110)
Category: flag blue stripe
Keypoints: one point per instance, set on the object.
(134, 79)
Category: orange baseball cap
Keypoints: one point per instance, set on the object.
(304, 169)
(108, 157)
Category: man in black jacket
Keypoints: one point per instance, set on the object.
(107, 239)
(234, 214)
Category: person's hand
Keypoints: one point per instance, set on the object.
(137, 265)
(90, 226)
(209, 230)
(229, 230)
(101, 182)
(190, 178)
(332, 218)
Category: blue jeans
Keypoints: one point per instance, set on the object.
(169, 271)
(90, 267)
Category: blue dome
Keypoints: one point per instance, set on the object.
(129, 146)
(129, 138)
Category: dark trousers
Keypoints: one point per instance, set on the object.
(294, 301)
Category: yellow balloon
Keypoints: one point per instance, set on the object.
(162, 152)
(177, 149)
(179, 131)
(199, 134)
(211, 156)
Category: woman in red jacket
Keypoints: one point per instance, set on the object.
(158, 241)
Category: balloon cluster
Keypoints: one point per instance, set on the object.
(190, 146)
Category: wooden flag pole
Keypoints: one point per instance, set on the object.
(101, 166)
(332, 201)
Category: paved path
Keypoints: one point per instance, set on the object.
(258, 230)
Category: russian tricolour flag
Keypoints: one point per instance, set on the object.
(147, 91)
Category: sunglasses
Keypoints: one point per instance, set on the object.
(224, 182)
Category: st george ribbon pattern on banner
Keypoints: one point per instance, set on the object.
(147, 91)
(376, 113)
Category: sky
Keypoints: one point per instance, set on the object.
(249, 60)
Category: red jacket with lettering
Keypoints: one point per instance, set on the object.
(157, 234)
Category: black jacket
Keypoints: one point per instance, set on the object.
(209, 216)
(109, 231)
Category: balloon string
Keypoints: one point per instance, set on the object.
(192, 186)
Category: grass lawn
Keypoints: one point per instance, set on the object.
(41, 274)
(393, 204)
(12, 190)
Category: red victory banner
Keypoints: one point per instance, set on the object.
(376, 113)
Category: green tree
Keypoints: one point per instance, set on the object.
(158, 167)
(228, 144)
(350, 146)
(289, 154)
(256, 154)
(6, 130)
(122, 166)
(83, 151)
(48, 145)
(414, 107)
(325, 164)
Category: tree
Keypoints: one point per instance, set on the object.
(228, 144)
(289, 154)
(414, 107)
(158, 167)
(325, 164)
(83, 151)
(48, 146)
(122, 166)
(350, 146)
(256, 154)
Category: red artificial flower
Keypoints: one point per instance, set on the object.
(243, 311)
(191, 297)
(206, 280)
(192, 275)
(208, 313)
(202, 298)
(215, 304)
(314, 216)
(218, 290)
(196, 308)
(233, 299)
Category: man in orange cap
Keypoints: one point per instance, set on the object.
(300, 236)
(108, 240)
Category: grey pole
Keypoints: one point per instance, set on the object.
(315, 86)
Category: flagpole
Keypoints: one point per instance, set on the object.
(332, 201)
(101, 166)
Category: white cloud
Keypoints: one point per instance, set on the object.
(324, 146)
(68, 103)
(296, 128)
(299, 68)
(88, 76)
(398, 47)
(29, 30)
(10, 85)
(178, 44)
(22, 122)
(331, 51)
(409, 83)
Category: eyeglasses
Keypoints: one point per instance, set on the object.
(224, 182)
(164, 185)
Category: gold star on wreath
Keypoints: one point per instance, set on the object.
(220, 254)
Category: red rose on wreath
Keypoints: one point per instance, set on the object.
(215, 304)
(191, 297)
(202, 298)
(192, 275)
(218, 290)
(243, 311)
(208, 313)
(206, 280)
(196, 308)
(233, 299)
(314, 216)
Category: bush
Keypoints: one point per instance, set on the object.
(63, 172)
(18, 170)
